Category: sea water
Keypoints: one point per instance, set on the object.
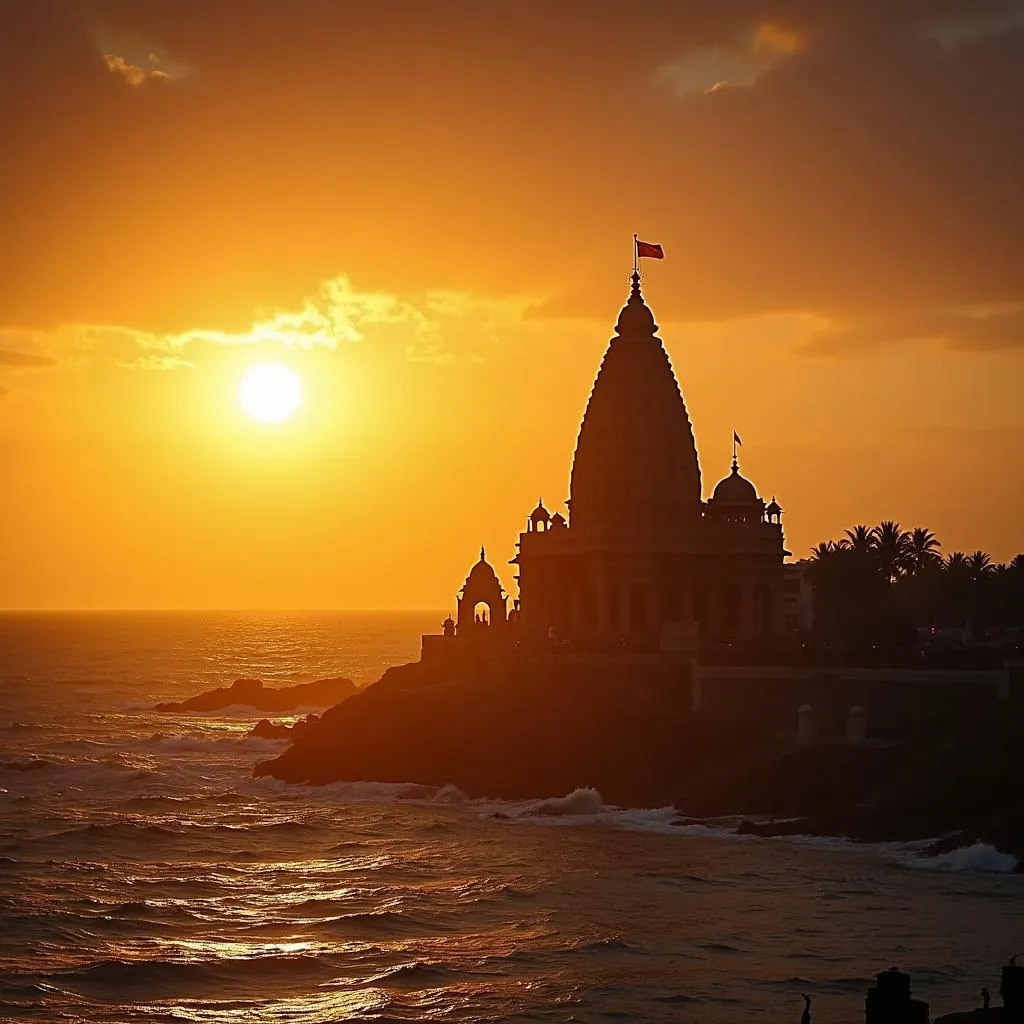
(145, 875)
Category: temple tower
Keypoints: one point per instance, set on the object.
(618, 572)
(635, 473)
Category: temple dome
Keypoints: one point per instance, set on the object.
(735, 489)
(635, 472)
(482, 572)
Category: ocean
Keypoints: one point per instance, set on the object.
(146, 876)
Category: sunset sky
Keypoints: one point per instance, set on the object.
(425, 210)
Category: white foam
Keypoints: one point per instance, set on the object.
(193, 743)
(977, 857)
(579, 801)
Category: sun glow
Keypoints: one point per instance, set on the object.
(270, 392)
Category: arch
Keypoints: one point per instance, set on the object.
(731, 607)
(482, 613)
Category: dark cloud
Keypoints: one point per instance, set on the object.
(871, 171)
(990, 329)
(22, 360)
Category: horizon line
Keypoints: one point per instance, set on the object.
(194, 611)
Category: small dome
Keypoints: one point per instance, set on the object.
(558, 520)
(482, 572)
(540, 514)
(734, 490)
(773, 509)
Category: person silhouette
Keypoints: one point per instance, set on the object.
(805, 1017)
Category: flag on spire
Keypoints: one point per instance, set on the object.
(736, 437)
(649, 249)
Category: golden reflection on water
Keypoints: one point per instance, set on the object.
(317, 1007)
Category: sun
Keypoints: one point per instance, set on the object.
(270, 392)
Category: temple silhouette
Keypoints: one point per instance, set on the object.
(640, 563)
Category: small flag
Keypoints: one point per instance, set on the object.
(650, 250)
(736, 437)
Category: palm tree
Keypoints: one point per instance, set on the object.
(979, 565)
(891, 545)
(922, 551)
(859, 539)
(956, 563)
(822, 551)
(1017, 562)
(956, 583)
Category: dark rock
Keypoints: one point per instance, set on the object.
(265, 729)
(528, 731)
(252, 693)
(993, 1015)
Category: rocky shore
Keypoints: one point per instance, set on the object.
(530, 735)
(252, 693)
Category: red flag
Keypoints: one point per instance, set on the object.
(650, 250)
(736, 438)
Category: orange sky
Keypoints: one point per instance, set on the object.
(426, 211)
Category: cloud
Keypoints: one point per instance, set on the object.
(985, 329)
(953, 31)
(715, 67)
(132, 73)
(862, 156)
(21, 360)
(435, 326)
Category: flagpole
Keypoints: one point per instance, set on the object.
(635, 257)
(734, 446)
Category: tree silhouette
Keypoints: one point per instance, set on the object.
(922, 553)
(979, 565)
(875, 583)
(858, 539)
(892, 547)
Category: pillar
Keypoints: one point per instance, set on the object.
(714, 611)
(806, 726)
(857, 727)
(747, 612)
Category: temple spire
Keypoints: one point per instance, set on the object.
(482, 559)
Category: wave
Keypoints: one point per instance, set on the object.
(979, 857)
(718, 947)
(192, 743)
(380, 922)
(417, 975)
(119, 829)
(611, 944)
(114, 977)
(27, 764)
(579, 801)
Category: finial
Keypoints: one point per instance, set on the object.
(635, 319)
(482, 559)
(735, 465)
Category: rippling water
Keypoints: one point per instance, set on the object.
(145, 876)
